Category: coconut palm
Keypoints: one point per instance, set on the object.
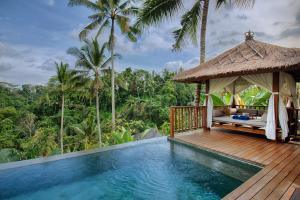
(91, 58)
(65, 79)
(108, 14)
(155, 11)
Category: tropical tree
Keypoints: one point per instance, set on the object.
(86, 131)
(92, 60)
(155, 11)
(108, 14)
(65, 82)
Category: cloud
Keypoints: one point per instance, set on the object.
(50, 2)
(176, 65)
(242, 17)
(298, 17)
(291, 32)
(29, 65)
(8, 51)
(5, 67)
(48, 65)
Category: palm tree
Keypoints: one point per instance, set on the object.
(108, 14)
(92, 59)
(155, 11)
(65, 78)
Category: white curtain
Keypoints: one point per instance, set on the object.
(266, 81)
(262, 80)
(237, 86)
(288, 88)
(283, 119)
(216, 85)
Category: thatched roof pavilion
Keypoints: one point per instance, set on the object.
(274, 68)
(249, 57)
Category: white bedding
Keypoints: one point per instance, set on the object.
(250, 122)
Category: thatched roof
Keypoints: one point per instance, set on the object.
(249, 57)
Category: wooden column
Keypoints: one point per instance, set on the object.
(233, 93)
(275, 90)
(204, 114)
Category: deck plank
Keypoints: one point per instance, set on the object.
(280, 175)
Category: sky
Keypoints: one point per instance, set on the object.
(34, 34)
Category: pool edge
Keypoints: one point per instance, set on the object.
(40, 160)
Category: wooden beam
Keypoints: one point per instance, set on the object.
(275, 90)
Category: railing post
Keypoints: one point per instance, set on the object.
(196, 116)
(204, 116)
(172, 122)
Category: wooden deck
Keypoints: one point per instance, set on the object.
(281, 173)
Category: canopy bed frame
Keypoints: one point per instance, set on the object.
(274, 68)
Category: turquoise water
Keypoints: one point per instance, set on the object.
(157, 169)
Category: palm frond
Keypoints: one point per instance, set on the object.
(123, 23)
(108, 61)
(86, 3)
(189, 26)
(87, 29)
(237, 3)
(154, 11)
(102, 27)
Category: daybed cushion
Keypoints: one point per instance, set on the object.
(250, 111)
(251, 122)
(218, 113)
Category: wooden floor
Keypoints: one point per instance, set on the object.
(280, 175)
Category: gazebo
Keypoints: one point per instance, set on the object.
(272, 67)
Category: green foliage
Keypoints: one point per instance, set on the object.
(217, 100)
(8, 112)
(255, 96)
(165, 128)
(43, 143)
(30, 115)
(8, 155)
(120, 136)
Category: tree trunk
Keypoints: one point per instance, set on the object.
(98, 118)
(113, 105)
(202, 45)
(62, 124)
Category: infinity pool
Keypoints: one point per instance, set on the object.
(153, 169)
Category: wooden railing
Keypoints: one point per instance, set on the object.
(184, 118)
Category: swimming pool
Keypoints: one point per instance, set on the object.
(152, 169)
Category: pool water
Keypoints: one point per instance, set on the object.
(156, 169)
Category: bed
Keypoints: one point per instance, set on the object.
(251, 122)
(255, 125)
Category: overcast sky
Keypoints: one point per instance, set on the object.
(36, 33)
